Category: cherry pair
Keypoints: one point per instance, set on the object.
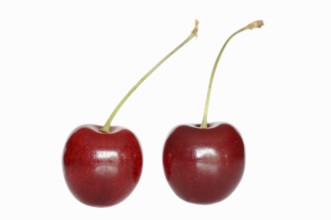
(203, 163)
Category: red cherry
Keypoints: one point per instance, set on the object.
(102, 169)
(204, 165)
(102, 165)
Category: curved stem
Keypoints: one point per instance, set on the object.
(107, 125)
(255, 24)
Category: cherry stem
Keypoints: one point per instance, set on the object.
(107, 126)
(255, 24)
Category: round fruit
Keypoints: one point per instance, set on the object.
(102, 169)
(102, 165)
(204, 165)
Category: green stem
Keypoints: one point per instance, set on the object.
(255, 24)
(107, 126)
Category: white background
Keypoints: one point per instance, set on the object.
(67, 63)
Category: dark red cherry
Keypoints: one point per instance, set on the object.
(102, 165)
(204, 165)
(102, 169)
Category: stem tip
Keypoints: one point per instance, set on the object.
(196, 28)
(255, 24)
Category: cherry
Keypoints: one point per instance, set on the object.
(102, 169)
(102, 165)
(204, 163)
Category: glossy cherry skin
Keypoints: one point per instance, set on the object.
(204, 165)
(102, 169)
